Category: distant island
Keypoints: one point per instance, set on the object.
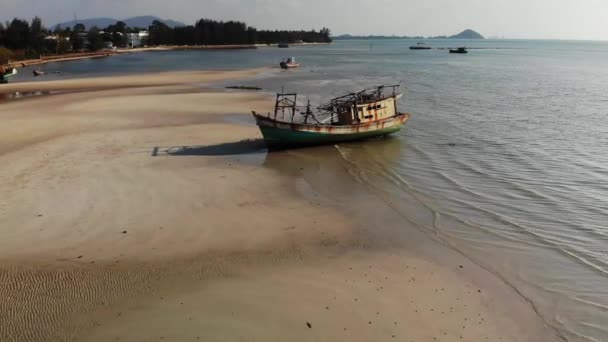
(466, 34)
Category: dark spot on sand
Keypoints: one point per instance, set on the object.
(124, 232)
(309, 325)
(327, 308)
(39, 215)
(80, 257)
(460, 266)
(370, 322)
(479, 291)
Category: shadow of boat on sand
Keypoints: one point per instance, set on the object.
(243, 147)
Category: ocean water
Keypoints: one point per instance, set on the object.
(506, 152)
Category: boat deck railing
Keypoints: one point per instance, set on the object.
(303, 115)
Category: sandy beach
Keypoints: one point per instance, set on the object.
(146, 208)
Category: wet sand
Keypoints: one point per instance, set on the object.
(145, 208)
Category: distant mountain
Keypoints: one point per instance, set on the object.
(467, 34)
(145, 21)
(141, 21)
(88, 23)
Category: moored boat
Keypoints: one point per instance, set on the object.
(365, 114)
(283, 45)
(459, 50)
(420, 46)
(6, 73)
(289, 63)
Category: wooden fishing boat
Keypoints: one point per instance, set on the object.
(365, 114)
(289, 63)
(283, 45)
(6, 73)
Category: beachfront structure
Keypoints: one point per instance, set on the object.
(137, 39)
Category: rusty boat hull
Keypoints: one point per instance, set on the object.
(280, 134)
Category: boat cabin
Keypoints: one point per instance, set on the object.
(363, 107)
(367, 112)
(366, 106)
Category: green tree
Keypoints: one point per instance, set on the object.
(77, 40)
(17, 34)
(95, 39)
(5, 55)
(160, 34)
(2, 35)
(79, 28)
(117, 34)
(325, 35)
(37, 34)
(63, 46)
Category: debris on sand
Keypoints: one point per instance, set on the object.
(244, 87)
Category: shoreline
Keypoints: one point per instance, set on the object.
(109, 53)
(219, 241)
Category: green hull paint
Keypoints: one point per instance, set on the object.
(277, 137)
(5, 77)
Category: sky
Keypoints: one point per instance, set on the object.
(540, 19)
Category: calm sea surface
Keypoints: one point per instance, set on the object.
(507, 151)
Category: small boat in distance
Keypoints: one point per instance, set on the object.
(459, 50)
(289, 63)
(6, 73)
(283, 45)
(364, 114)
(420, 46)
(38, 72)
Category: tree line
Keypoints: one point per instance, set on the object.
(212, 32)
(22, 39)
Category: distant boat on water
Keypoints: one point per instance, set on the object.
(420, 46)
(364, 114)
(289, 63)
(283, 45)
(459, 50)
(7, 73)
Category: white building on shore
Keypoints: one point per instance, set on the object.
(137, 39)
